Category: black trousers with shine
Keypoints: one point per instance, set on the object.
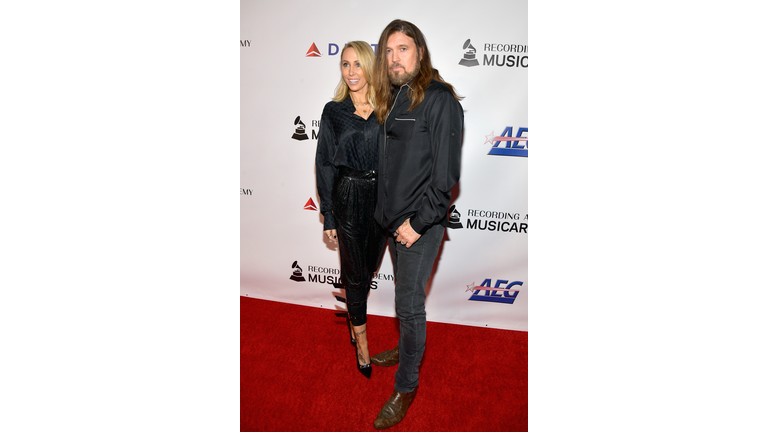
(362, 240)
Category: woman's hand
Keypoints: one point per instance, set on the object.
(331, 234)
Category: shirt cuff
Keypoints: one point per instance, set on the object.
(329, 222)
(417, 226)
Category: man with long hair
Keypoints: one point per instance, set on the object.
(420, 134)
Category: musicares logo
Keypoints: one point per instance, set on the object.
(497, 221)
(313, 51)
(491, 59)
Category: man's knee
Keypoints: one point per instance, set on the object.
(411, 314)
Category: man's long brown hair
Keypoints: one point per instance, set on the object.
(383, 89)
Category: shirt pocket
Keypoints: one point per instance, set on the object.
(402, 129)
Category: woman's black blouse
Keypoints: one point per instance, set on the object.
(345, 139)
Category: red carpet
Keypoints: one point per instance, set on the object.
(297, 373)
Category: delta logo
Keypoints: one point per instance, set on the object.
(515, 145)
(313, 51)
(310, 205)
(500, 292)
(333, 49)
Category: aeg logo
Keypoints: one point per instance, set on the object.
(508, 294)
(515, 145)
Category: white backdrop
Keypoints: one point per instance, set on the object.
(290, 52)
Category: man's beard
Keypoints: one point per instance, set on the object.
(403, 77)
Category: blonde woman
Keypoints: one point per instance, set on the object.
(346, 162)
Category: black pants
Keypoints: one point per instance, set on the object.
(361, 239)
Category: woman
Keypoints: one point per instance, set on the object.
(346, 163)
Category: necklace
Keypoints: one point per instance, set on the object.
(365, 111)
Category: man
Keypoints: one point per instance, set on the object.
(419, 158)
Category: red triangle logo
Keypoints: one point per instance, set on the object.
(310, 205)
(313, 51)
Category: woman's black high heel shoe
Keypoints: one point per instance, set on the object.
(365, 369)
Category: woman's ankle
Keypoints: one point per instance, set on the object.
(363, 354)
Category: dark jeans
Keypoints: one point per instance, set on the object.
(413, 267)
(361, 239)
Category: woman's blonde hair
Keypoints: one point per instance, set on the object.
(366, 57)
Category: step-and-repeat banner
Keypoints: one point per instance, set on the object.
(290, 53)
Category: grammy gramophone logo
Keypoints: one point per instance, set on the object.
(469, 59)
(454, 218)
(300, 134)
(297, 273)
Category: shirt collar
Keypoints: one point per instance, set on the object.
(348, 104)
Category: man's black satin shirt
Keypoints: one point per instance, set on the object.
(419, 159)
(345, 139)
